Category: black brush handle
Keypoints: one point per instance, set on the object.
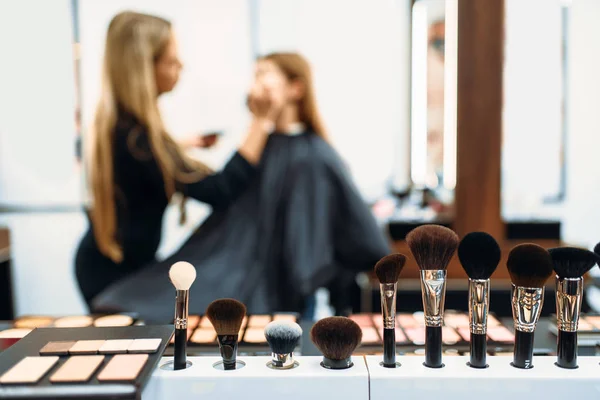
(389, 348)
(478, 352)
(179, 354)
(523, 355)
(433, 347)
(228, 345)
(567, 350)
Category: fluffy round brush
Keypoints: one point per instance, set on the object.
(597, 250)
(529, 266)
(283, 337)
(570, 264)
(388, 271)
(479, 255)
(433, 247)
(336, 338)
(226, 317)
(182, 275)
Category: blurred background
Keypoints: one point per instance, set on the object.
(395, 88)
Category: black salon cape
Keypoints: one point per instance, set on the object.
(299, 226)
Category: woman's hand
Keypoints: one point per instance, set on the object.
(263, 104)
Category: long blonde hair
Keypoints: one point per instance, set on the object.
(133, 44)
(296, 68)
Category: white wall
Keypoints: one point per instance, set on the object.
(581, 223)
(360, 54)
(37, 104)
(532, 116)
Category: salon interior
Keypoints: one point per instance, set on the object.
(471, 115)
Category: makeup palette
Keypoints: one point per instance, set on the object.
(83, 362)
(410, 331)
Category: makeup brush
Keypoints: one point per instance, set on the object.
(283, 337)
(388, 271)
(182, 275)
(479, 255)
(570, 264)
(226, 316)
(597, 250)
(336, 338)
(529, 266)
(433, 246)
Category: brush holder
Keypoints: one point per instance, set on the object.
(307, 381)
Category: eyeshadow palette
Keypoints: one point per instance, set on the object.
(89, 362)
(410, 331)
(202, 337)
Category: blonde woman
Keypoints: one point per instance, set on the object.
(302, 223)
(135, 167)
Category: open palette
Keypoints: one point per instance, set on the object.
(202, 337)
(89, 362)
(410, 331)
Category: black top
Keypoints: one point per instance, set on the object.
(141, 201)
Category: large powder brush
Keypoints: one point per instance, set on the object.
(570, 265)
(336, 338)
(479, 255)
(226, 316)
(529, 267)
(433, 247)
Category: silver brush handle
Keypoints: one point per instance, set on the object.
(479, 305)
(388, 304)
(282, 361)
(181, 309)
(433, 290)
(569, 293)
(526, 307)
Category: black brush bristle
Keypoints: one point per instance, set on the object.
(529, 265)
(389, 267)
(571, 262)
(283, 336)
(336, 337)
(226, 316)
(432, 246)
(597, 250)
(479, 255)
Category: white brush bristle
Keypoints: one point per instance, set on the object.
(279, 329)
(182, 275)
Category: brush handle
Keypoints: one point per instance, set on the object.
(433, 347)
(523, 355)
(389, 348)
(566, 350)
(478, 351)
(228, 345)
(179, 353)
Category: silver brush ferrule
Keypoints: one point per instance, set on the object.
(282, 361)
(479, 305)
(569, 293)
(388, 304)
(526, 307)
(181, 309)
(433, 290)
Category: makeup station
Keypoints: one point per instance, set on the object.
(364, 356)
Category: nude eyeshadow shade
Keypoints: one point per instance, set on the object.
(123, 368)
(86, 347)
(57, 348)
(205, 323)
(594, 320)
(449, 335)
(406, 321)
(456, 320)
(284, 317)
(363, 320)
(255, 335)
(416, 335)
(15, 333)
(28, 370)
(500, 334)
(400, 337)
(585, 325)
(193, 321)
(116, 346)
(77, 369)
(144, 346)
(258, 321)
(369, 335)
(33, 322)
(74, 321)
(114, 320)
(204, 336)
